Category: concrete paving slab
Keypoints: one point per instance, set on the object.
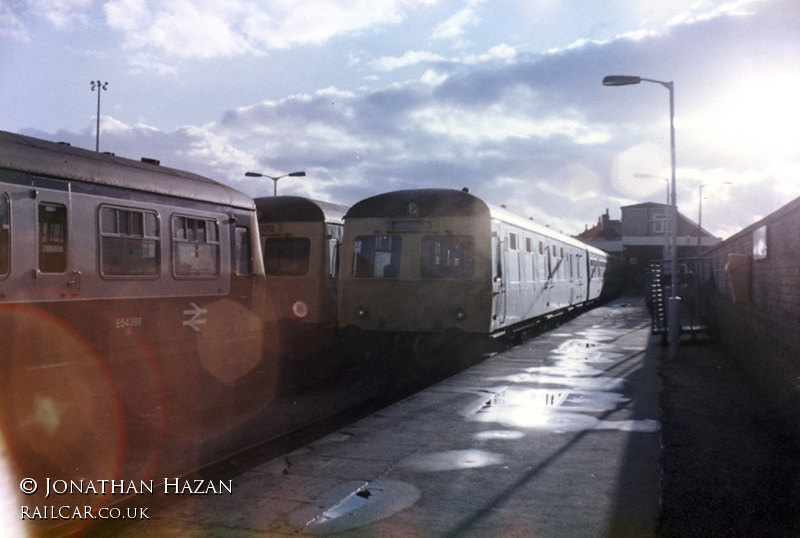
(555, 437)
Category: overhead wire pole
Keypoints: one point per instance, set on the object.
(99, 85)
(673, 304)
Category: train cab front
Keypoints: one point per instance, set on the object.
(412, 283)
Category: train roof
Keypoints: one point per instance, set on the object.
(445, 202)
(58, 160)
(419, 203)
(298, 209)
(502, 214)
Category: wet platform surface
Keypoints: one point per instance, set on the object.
(558, 436)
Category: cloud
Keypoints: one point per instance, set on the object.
(210, 29)
(179, 28)
(537, 132)
(413, 57)
(455, 27)
(61, 14)
(11, 24)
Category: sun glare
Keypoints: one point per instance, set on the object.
(756, 118)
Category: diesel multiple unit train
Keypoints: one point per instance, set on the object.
(143, 309)
(300, 241)
(132, 300)
(433, 260)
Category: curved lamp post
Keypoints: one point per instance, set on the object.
(673, 313)
(275, 179)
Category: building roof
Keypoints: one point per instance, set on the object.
(606, 229)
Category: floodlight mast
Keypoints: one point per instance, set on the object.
(99, 85)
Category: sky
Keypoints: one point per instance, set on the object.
(504, 97)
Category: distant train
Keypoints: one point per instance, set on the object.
(132, 307)
(300, 240)
(433, 260)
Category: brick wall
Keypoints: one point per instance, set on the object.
(764, 333)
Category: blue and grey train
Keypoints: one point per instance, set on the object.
(132, 307)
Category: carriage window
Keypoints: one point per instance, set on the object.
(287, 255)
(5, 236)
(377, 256)
(447, 256)
(241, 256)
(52, 238)
(195, 247)
(129, 242)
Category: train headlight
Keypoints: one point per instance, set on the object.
(300, 309)
(460, 314)
(361, 312)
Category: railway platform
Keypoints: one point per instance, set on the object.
(585, 431)
(558, 436)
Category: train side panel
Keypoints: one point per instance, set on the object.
(540, 274)
(130, 320)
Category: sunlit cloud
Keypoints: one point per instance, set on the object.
(412, 57)
(369, 95)
(61, 13)
(209, 29)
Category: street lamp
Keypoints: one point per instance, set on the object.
(673, 314)
(699, 219)
(275, 179)
(100, 86)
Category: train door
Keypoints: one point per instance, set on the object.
(498, 280)
(580, 283)
(570, 258)
(549, 274)
(53, 272)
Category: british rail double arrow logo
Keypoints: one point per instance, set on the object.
(195, 320)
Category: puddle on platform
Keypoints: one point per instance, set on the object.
(602, 334)
(353, 505)
(452, 460)
(547, 378)
(503, 435)
(578, 349)
(557, 410)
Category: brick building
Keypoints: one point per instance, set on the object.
(641, 235)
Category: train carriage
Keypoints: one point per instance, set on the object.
(131, 301)
(300, 240)
(433, 260)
